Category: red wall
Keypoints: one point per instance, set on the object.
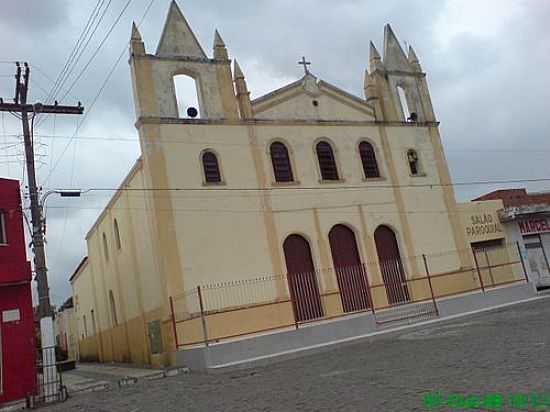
(17, 337)
(13, 257)
(18, 351)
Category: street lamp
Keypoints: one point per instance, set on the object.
(46, 320)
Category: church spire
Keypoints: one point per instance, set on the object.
(136, 43)
(413, 60)
(243, 95)
(375, 61)
(220, 51)
(178, 40)
(394, 56)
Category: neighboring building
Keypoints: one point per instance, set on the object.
(17, 344)
(526, 220)
(84, 297)
(307, 179)
(66, 329)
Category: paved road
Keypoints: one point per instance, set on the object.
(504, 352)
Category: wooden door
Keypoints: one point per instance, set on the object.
(350, 273)
(391, 266)
(302, 279)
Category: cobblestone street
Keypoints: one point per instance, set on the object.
(504, 351)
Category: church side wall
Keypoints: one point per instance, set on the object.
(128, 273)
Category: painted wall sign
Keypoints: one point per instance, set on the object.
(11, 315)
(484, 224)
(535, 225)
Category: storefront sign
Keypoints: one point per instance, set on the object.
(484, 224)
(535, 225)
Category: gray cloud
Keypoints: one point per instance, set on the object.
(487, 74)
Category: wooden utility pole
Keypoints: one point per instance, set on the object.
(21, 106)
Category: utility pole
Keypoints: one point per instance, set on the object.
(20, 105)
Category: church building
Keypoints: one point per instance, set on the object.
(310, 180)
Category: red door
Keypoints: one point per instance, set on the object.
(302, 280)
(350, 273)
(391, 265)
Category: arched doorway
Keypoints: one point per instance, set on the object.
(391, 266)
(302, 280)
(350, 273)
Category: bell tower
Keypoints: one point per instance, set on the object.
(180, 53)
(396, 84)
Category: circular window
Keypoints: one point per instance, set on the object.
(315, 103)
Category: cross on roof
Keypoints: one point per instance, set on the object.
(304, 63)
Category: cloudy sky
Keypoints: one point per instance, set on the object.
(487, 63)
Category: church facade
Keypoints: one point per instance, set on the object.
(306, 179)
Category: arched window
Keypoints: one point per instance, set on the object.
(327, 162)
(113, 308)
(117, 234)
(368, 158)
(282, 168)
(187, 93)
(211, 168)
(414, 166)
(105, 247)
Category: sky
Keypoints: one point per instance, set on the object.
(486, 61)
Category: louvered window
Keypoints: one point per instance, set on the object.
(211, 168)
(282, 168)
(368, 158)
(327, 163)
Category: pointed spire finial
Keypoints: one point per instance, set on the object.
(218, 41)
(375, 61)
(238, 72)
(394, 56)
(136, 35)
(413, 59)
(220, 51)
(177, 38)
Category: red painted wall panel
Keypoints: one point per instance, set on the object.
(17, 337)
(18, 351)
(13, 258)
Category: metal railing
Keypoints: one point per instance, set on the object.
(214, 312)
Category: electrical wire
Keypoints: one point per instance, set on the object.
(88, 111)
(375, 186)
(105, 38)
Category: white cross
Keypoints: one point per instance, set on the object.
(304, 63)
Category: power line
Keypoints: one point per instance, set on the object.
(58, 83)
(105, 38)
(135, 139)
(97, 95)
(375, 186)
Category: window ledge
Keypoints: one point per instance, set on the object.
(214, 184)
(374, 179)
(418, 175)
(292, 183)
(324, 182)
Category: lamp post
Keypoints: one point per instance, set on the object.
(50, 378)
